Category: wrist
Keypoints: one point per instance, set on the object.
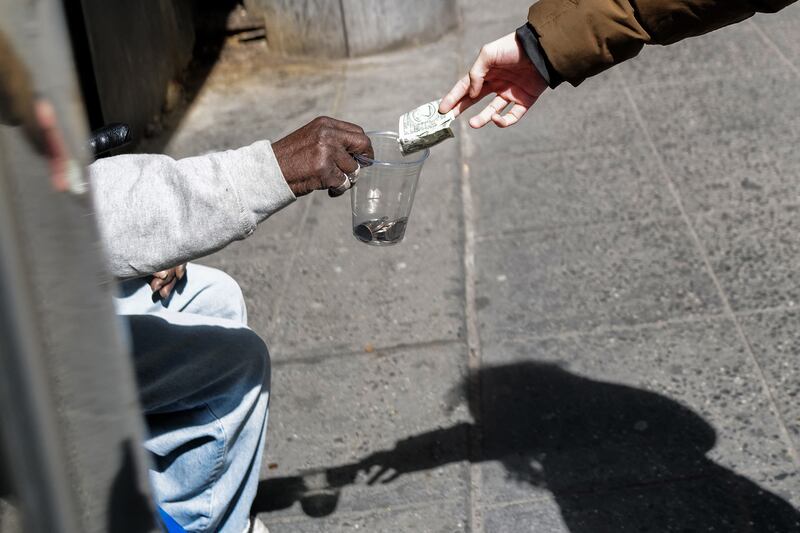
(528, 40)
(282, 158)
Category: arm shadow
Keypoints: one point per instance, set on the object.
(614, 457)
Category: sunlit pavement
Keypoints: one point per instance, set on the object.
(592, 323)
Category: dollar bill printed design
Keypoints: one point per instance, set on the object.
(424, 127)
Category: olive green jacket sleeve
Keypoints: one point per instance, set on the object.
(584, 37)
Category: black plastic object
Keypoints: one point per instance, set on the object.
(109, 138)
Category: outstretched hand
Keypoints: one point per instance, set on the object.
(503, 69)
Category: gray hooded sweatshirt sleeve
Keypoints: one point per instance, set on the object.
(155, 212)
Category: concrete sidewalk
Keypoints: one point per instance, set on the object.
(592, 324)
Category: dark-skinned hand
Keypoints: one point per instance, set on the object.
(163, 282)
(318, 155)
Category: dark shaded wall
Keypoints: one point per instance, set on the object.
(136, 48)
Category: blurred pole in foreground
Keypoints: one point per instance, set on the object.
(70, 422)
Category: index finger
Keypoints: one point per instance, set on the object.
(456, 94)
(467, 101)
(356, 143)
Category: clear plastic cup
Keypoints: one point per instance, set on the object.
(383, 193)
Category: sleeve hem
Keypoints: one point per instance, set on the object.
(529, 40)
(260, 186)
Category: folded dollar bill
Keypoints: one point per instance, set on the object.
(424, 127)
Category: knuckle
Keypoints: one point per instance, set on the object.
(329, 134)
(319, 123)
(322, 165)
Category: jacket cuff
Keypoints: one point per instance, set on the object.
(261, 188)
(529, 40)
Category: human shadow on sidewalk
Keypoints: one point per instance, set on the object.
(615, 458)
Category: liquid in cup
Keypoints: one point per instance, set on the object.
(383, 194)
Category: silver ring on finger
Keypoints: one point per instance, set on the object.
(349, 180)
(346, 184)
(354, 174)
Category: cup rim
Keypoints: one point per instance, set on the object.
(369, 162)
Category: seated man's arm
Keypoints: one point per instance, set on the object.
(155, 212)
